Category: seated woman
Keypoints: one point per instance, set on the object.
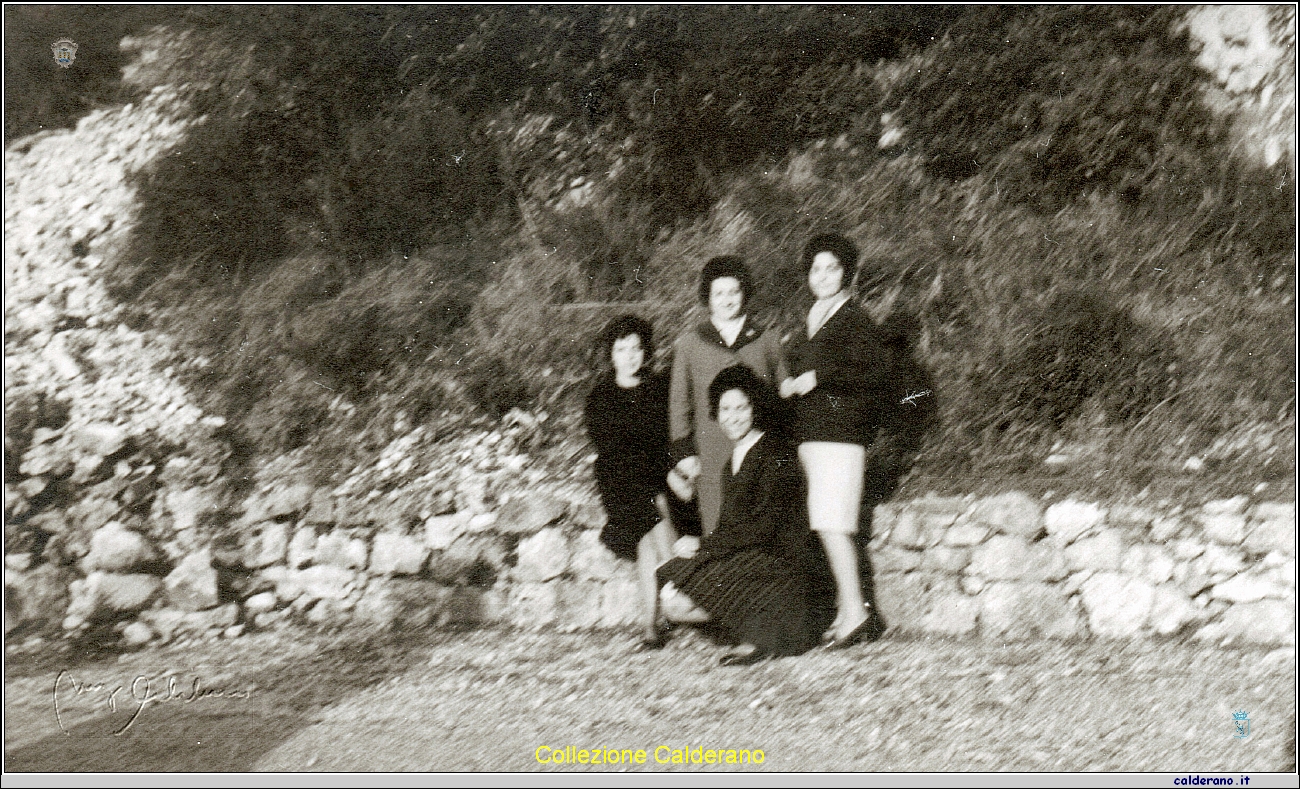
(758, 577)
(627, 420)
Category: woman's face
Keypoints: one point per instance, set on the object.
(628, 356)
(826, 277)
(735, 414)
(725, 298)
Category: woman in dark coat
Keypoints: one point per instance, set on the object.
(759, 577)
(627, 420)
(840, 389)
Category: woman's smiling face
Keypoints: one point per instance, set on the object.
(826, 277)
(726, 298)
(735, 414)
(628, 356)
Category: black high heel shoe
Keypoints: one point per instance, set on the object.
(871, 629)
(744, 659)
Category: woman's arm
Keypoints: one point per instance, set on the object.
(681, 405)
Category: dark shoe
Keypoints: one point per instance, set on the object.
(655, 644)
(869, 630)
(744, 659)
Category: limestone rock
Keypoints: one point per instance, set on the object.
(619, 602)
(267, 545)
(951, 615)
(1224, 528)
(1271, 535)
(104, 593)
(533, 605)
(1014, 513)
(302, 548)
(1165, 528)
(396, 554)
(580, 605)
(340, 550)
(1187, 548)
(1233, 506)
(1262, 622)
(889, 559)
(591, 559)
(1131, 519)
(1117, 605)
(1274, 511)
(1068, 520)
(317, 582)
(903, 598)
(965, 534)
(911, 531)
(529, 513)
(188, 506)
(1021, 611)
(113, 547)
(942, 558)
(1219, 560)
(262, 601)
(279, 503)
(440, 531)
(1102, 552)
(320, 509)
(542, 556)
(192, 586)
(1152, 562)
(137, 634)
(1171, 610)
(1009, 558)
(1248, 588)
(99, 439)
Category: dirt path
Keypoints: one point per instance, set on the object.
(487, 700)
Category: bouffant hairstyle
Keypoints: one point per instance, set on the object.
(726, 266)
(761, 397)
(837, 245)
(623, 326)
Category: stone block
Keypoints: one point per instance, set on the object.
(99, 439)
(620, 601)
(1233, 506)
(942, 558)
(1003, 557)
(38, 597)
(1152, 562)
(965, 534)
(1262, 622)
(279, 503)
(102, 594)
(191, 506)
(1021, 611)
(113, 548)
(137, 634)
(320, 508)
(440, 531)
(533, 605)
(192, 586)
(1013, 513)
(1103, 552)
(1273, 511)
(1220, 560)
(1271, 535)
(951, 615)
(266, 545)
(1166, 527)
(910, 532)
(1248, 588)
(1130, 519)
(262, 601)
(317, 582)
(1069, 520)
(1187, 548)
(1118, 605)
(1171, 610)
(397, 554)
(580, 605)
(591, 559)
(542, 556)
(891, 559)
(339, 549)
(903, 598)
(302, 548)
(529, 513)
(1224, 528)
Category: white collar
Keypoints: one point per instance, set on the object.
(729, 330)
(742, 448)
(823, 309)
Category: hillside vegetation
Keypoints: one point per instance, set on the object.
(396, 215)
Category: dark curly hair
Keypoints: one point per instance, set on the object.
(837, 245)
(761, 397)
(726, 266)
(624, 326)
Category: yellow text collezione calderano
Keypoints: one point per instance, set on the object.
(663, 754)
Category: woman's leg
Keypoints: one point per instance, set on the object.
(681, 608)
(835, 478)
(648, 559)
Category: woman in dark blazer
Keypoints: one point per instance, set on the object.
(840, 369)
(759, 577)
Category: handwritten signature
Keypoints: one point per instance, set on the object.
(140, 693)
(912, 398)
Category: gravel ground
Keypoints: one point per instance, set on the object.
(486, 700)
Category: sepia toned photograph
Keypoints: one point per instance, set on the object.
(905, 390)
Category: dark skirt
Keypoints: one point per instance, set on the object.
(754, 598)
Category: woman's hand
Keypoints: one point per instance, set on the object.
(688, 467)
(686, 547)
(799, 386)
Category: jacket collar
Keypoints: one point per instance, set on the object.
(709, 333)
